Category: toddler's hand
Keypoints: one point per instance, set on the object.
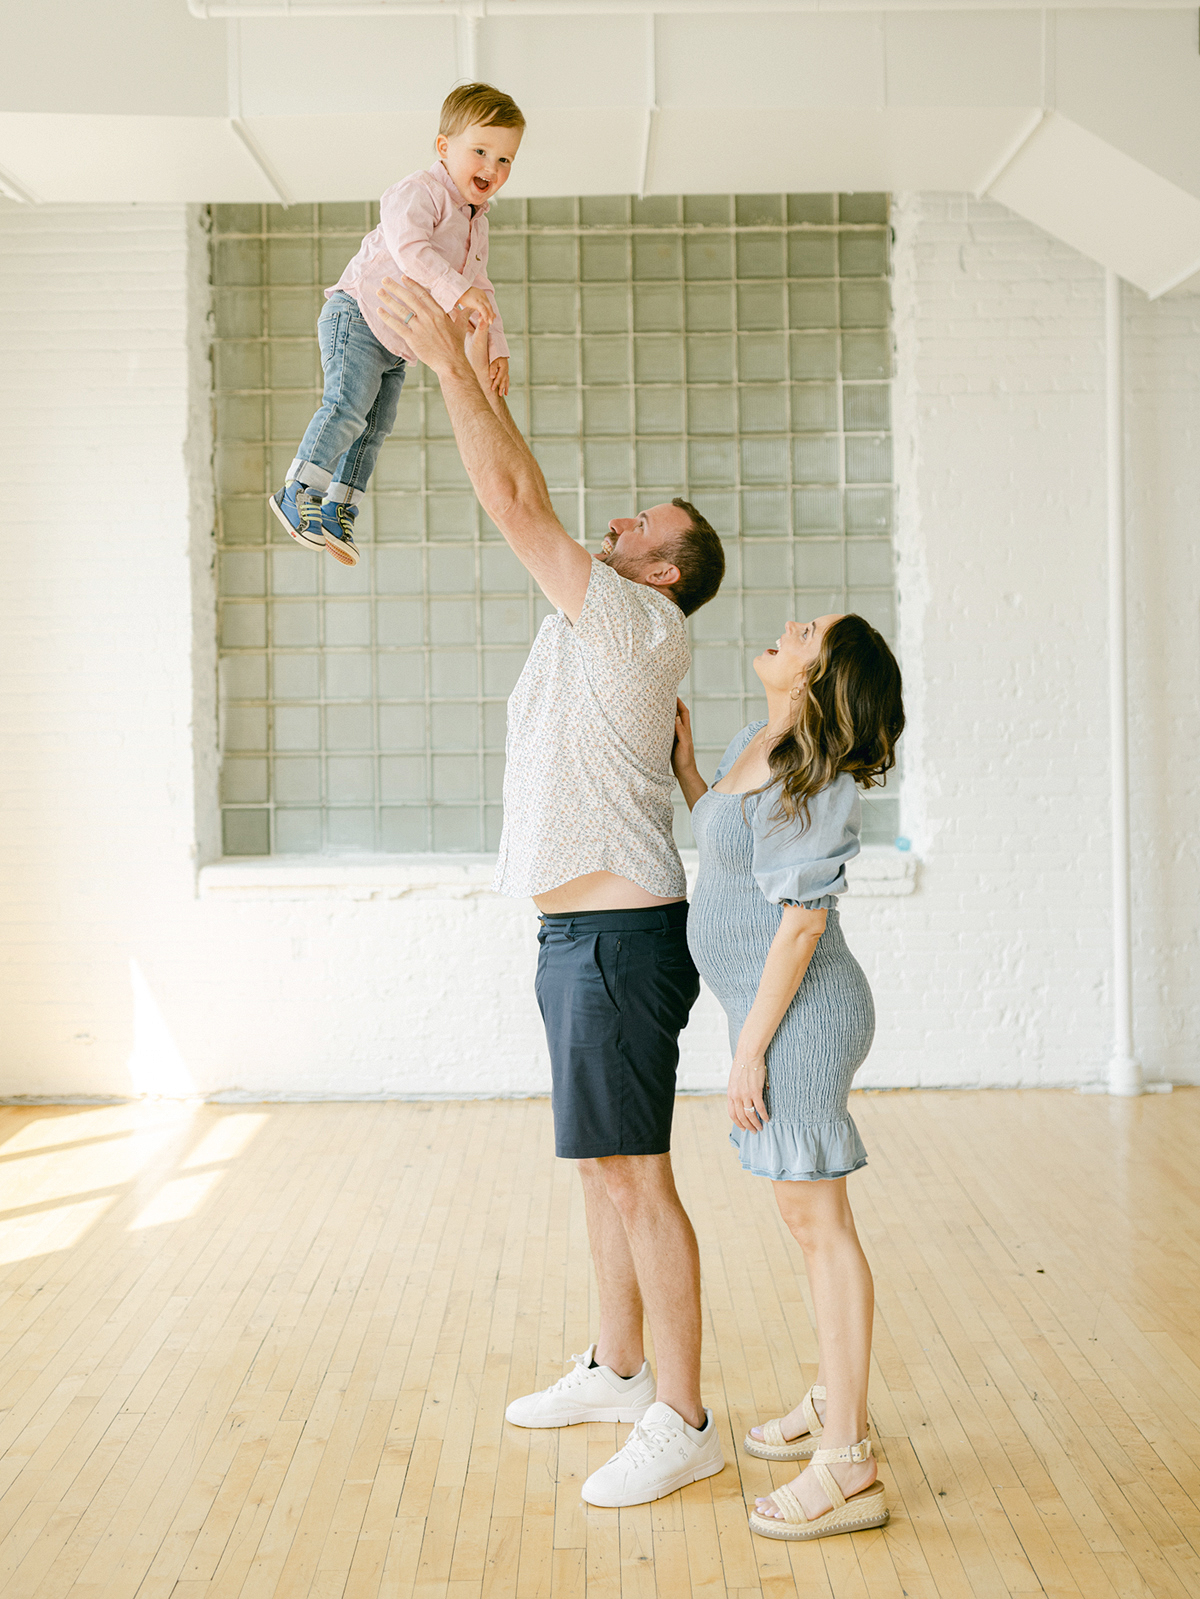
(476, 303)
(499, 372)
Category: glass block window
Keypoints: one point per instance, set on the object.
(735, 349)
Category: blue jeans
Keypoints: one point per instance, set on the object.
(358, 409)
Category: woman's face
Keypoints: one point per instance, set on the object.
(784, 666)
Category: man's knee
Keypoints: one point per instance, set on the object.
(634, 1181)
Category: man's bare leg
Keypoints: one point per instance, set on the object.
(619, 1345)
(661, 1248)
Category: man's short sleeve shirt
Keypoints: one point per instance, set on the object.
(588, 785)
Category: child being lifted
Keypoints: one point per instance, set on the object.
(432, 228)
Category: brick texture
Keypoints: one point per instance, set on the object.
(116, 978)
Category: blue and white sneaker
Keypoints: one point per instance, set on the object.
(300, 513)
(337, 520)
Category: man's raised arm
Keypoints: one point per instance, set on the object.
(507, 480)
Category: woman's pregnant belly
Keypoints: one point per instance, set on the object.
(730, 929)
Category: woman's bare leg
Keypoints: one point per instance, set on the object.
(819, 1218)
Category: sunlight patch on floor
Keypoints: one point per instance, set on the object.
(23, 1237)
(226, 1140)
(177, 1200)
(56, 1128)
(36, 1179)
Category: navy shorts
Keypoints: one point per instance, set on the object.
(614, 989)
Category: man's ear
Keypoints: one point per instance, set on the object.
(662, 575)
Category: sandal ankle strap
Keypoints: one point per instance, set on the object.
(808, 1410)
(822, 1459)
(847, 1454)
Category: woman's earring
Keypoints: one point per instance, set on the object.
(796, 692)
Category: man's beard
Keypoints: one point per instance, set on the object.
(629, 567)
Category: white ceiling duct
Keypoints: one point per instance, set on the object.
(284, 9)
(1084, 119)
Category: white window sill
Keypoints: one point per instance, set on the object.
(879, 871)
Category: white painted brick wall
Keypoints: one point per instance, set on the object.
(95, 632)
(999, 429)
(994, 972)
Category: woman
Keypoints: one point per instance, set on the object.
(775, 832)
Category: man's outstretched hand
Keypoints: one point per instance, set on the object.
(503, 472)
(442, 341)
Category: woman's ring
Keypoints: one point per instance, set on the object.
(409, 318)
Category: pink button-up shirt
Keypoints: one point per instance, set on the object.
(426, 232)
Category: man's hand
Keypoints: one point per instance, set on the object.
(498, 375)
(503, 472)
(433, 337)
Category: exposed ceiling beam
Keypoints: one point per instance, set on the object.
(281, 10)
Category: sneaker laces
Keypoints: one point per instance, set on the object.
(570, 1378)
(647, 1441)
(345, 515)
(308, 506)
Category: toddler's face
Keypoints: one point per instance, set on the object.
(479, 159)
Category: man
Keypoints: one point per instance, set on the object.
(587, 833)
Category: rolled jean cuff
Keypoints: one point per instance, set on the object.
(343, 494)
(316, 478)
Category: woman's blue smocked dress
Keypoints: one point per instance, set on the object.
(750, 866)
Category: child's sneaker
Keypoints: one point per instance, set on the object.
(300, 513)
(337, 520)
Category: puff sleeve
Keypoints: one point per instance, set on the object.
(806, 865)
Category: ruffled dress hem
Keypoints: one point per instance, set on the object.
(790, 1153)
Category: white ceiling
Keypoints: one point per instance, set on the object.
(1084, 119)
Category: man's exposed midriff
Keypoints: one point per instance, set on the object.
(600, 891)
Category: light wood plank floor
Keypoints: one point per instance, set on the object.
(266, 1350)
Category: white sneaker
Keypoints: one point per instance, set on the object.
(662, 1453)
(589, 1393)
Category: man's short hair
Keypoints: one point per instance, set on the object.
(700, 557)
(478, 105)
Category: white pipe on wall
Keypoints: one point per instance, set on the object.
(1124, 1072)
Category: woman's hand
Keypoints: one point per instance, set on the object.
(747, 1092)
(683, 752)
(683, 757)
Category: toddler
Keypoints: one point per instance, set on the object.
(432, 228)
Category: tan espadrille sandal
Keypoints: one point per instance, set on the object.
(865, 1509)
(774, 1446)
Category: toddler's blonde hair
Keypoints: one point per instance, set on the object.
(478, 104)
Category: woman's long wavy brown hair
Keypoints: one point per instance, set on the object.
(849, 717)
